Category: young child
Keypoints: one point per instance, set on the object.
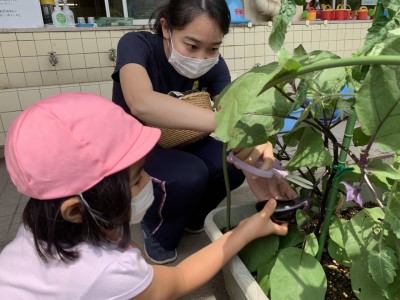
(80, 158)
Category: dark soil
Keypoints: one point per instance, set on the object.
(338, 277)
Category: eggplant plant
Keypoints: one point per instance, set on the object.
(365, 90)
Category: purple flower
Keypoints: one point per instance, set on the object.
(353, 193)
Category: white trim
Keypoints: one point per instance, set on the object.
(125, 8)
(107, 5)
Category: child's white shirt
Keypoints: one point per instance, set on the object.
(98, 274)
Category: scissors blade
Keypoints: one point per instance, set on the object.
(305, 183)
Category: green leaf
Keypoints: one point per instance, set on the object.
(301, 93)
(283, 56)
(380, 31)
(364, 287)
(292, 239)
(393, 290)
(293, 137)
(326, 82)
(297, 276)
(382, 266)
(317, 56)
(259, 251)
(338, 253)
(302, 219)
(360, 232)
(264, 117)
(337, 229)
(310, 152)
(280, 24)
(393, 214)
(360, 138)
(379, 167)
(263, 276)
(378, 103)
(311, 246)
(247, 118)
(299, 51)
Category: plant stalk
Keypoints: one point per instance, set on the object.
(227, 186)
(334, 191)
(341, 62)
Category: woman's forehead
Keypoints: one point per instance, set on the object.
(202, 29)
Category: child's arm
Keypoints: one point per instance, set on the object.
(200, 267)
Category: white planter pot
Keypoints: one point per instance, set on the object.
(240, 284)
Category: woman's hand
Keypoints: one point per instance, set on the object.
(262, 153)
(262, 156)
(267, 188)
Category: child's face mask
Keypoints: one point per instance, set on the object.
(141, 202)
(190, 67)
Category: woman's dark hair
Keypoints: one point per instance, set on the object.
(179, 13)
(54, 236)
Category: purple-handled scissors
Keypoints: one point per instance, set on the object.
(277, 171)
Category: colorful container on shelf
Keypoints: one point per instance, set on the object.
(362, 13)
(47, 10)
(312, 14)
(343, 12)
(327, 13)
(237, 11)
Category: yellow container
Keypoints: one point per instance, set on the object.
(312, 14)
(43, 2)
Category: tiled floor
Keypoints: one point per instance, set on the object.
(11, 206)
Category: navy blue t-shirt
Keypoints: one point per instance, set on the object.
(146, 49)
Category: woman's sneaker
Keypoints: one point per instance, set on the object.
(154, 251)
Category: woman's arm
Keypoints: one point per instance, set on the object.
(160, 109)
(199, 268)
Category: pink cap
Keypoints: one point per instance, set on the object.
(65, 144)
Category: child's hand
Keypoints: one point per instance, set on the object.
(260, 224)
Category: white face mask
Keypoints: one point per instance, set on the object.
(190, 67)
(141, 202)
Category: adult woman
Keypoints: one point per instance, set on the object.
(183, 54)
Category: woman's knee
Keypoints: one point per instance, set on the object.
(181, 171)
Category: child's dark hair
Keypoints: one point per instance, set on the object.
(179, 13)
(54, 236)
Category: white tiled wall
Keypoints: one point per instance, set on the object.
(26, 75)
(82, 57)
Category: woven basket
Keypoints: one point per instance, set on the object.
(173, 138)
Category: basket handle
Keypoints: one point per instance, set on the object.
(344, 7)
(326, 7)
